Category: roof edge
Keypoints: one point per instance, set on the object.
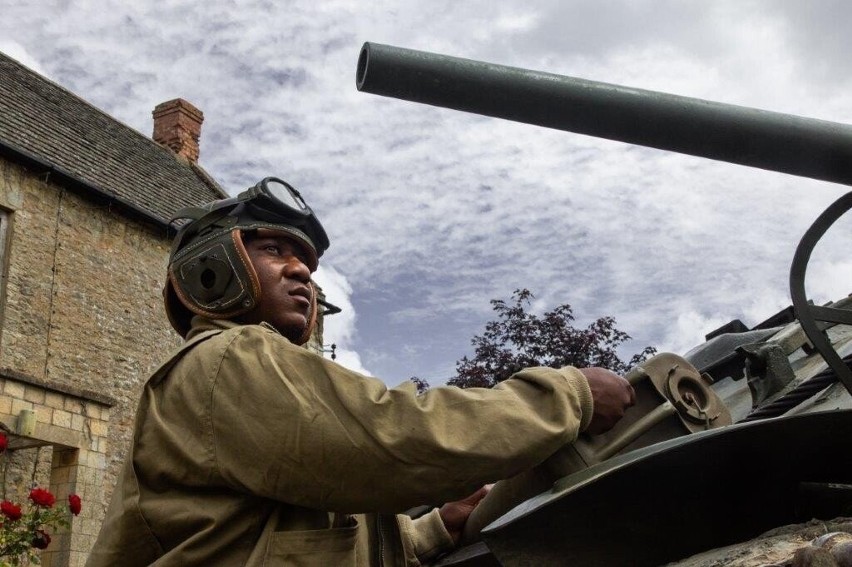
(208, 180)
(72, 181)
(67, 92)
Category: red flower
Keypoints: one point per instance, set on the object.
(74, 504)
(4, 442)
(10, 510)
(42, 497)
(41, 540)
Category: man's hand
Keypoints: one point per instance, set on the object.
(455, 514)
(611, 394)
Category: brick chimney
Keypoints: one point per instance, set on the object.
(177, 125)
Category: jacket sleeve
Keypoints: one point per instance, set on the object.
(424, 539)
(292, 426)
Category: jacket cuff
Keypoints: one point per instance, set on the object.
(429, 537)
(584, 394)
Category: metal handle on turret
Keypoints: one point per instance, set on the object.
(769, 140)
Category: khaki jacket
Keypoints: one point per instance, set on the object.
(249, 450)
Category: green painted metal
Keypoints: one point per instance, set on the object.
(668, 501)
(809, 314)
(768, 140)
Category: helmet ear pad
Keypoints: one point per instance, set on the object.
(216, 279)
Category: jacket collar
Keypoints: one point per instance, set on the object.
(202, 324)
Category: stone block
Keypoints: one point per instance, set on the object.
(73, 405)
(99, 428)
(87, 459)
(78, 422)
(57, 435)
(92, 409)
(14, 389)
(62, 418)
(43, 413)
(54, 400)
(87, 474)
(90, 527)
(34, 394)
(20, 405)
(99, 445)
(83, 542)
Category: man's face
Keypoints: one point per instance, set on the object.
(285, 292)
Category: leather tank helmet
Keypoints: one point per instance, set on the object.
(210, 273)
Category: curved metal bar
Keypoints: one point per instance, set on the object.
(808, 314)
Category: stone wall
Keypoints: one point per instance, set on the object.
(81, 326)
(70, 429)
(81, 314)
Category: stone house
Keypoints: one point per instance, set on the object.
(84, 241)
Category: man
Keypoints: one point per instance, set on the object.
(250, 450)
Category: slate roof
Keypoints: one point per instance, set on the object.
(46, 125)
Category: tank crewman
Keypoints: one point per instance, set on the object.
(250, 450)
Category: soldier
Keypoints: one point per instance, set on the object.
(250, 450)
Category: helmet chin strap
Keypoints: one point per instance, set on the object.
(312, 317)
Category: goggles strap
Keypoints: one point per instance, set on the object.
(193, 213)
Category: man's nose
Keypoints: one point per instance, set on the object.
(297, 270)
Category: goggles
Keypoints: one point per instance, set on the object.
(278, 194)
(272, 203)
(276, 201)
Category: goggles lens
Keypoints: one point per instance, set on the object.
(276, 202)
(285, 194)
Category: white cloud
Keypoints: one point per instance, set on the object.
(19, 53)
(689, 330)
(432, 212)
(829, 281)
(340, 329)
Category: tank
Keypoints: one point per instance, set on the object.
(744, 433)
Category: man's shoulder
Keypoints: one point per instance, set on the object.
(201, 357)
(221, 335)
(223, 330)
(242, 340)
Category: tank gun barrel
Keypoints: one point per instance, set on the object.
(774, 141)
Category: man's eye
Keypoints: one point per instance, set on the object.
(272, 248)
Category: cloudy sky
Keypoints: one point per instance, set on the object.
(433, 212)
